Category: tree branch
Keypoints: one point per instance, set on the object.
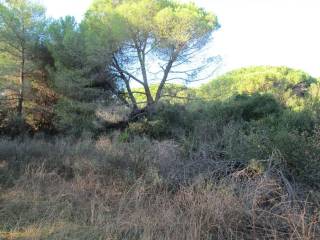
(122, 71)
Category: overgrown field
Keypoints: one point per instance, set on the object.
(146, 189)
(240, 167)
(102, 135)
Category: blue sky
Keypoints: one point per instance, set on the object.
(254, 32)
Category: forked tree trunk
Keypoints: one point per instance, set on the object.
(150, 100)
(163, 81)
(142, 60)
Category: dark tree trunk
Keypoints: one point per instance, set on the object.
(21, 90)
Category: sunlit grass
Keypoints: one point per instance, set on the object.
(56, 231)
(31, 232)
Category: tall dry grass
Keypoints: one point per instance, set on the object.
(105, 189)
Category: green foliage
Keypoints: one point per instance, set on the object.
(244, 129)
(178, 120)
(67, 48)
(23, 60)
(72, 83)
(22, 25)
(255, 107)
(285, 84)
(66, 43)
(170, 23)
(79, 82)
(75, 118)
(135, 33)
(239, 108)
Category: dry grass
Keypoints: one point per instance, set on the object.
(144, 189)
(113, 114)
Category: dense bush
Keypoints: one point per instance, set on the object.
(244, 128)
(256, 106)
(73, 117)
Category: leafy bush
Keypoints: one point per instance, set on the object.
(72, 117)
(255, 107)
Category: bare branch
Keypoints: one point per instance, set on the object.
(143, 93)
(181, 97)
(120, 70)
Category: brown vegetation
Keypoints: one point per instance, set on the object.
(106, 189)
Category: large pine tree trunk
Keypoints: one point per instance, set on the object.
(21, 90)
